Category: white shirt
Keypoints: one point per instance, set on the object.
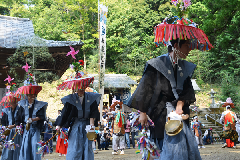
(30, 105)
(81, 99)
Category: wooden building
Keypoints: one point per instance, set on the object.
(13, 29)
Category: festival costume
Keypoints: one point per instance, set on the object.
(76, 116)
(32, 136)
(166, 81)
(229, 118)
(32, 130)
(158, 86)
(11, 117)
(118, 139)
(182, 146)
(77, 112)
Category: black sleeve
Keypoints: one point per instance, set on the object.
(42, 115)
(188, 92)
(96, 121)
(57, 121)
(4, 119)
(188, 96)
(94, 113)
(141, 98)
(69, 112)
(20, 116)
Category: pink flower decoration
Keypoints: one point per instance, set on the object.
(187, 3)
(72, 52)
(229, 100)
(175, 2)
(9, 79)
(8, 87)
(26, 67)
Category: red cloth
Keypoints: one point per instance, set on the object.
(61, 147)
(120, 121)
(230, 143)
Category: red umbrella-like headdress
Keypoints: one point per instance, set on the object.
(228, 103)
(181, 29)
(30, 87)
(10, 95)
(80, 80)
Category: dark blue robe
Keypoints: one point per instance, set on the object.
(77, 116)
(158, 86)
(32, 136)
(10, 118)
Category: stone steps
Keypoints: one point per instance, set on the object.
(216, 129)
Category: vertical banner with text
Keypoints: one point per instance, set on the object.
(102, 51)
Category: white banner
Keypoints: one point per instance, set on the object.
(102, 53)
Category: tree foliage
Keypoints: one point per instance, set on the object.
(130, 31)
(37, 57)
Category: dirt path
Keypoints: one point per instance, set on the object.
(211, 152)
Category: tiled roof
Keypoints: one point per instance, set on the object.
(13, 29)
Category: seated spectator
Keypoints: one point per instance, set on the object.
(207, 139)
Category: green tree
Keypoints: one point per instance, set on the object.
(220, 21)
(130, 35)
(37, 57)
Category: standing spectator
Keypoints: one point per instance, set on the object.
(48, 133)
(127, 132)
(134, 129)
(98, 139)
(104, 140)
(59, 112)
(197, 126)
(134, 132)
(238, 129)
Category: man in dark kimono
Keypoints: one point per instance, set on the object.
(10, 120)
(33, 115)
(80, 109)
(165, 79)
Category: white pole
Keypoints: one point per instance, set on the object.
(102, 51)
(99, 80)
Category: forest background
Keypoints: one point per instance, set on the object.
(130, 34)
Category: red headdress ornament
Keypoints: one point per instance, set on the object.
(10, 95)
(228, 103)
(30, 86)
(80, 80)
(181, 28)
